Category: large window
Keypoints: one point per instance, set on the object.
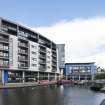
(76, 68)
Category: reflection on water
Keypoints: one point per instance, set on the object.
(50, 95)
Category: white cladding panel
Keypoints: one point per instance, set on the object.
(48, 60)
(33, 56)
(13, 52)
(58, 70)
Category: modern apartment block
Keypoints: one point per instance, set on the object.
(25, 55)
(80, 71)
(61, 57)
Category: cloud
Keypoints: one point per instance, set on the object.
(84, 38)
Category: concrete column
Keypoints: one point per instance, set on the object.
(85, 77)
(48, 76)
(59, 77)
(23, 76)
(38, 76)
(73, 77)
(92, 77)
(4, 77)
(79, 77)
(55, 76)
(66, 77)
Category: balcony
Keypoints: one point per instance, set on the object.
(12, 28)
(23, 65)
(9, 30)
(3, 40)
(42, 57)
(23, 59)
(42, 50)
(4, 66)
(21, 33)
(4, 63)
(42, 68)
(23, 45)
(4, 49)
(54, 65)
(42, 62)
(4, 57)
(54, 69)
(23, 52)
(54, 59)
(53, 55)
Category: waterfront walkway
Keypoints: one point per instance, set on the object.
(26, 84)
(16, 85)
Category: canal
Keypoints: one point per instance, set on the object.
(50, 95)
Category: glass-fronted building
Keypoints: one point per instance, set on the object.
(80, 71)
(25, 55)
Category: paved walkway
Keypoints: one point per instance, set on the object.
(16, 85)
(26, 84)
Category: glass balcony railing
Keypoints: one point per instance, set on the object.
(4, 40)
(42, 68)
(23, 59)
(23, 45)
(23, 65)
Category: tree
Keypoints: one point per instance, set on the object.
(100, 76)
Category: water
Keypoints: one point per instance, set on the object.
(50, 95)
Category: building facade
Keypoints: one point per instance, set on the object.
(25, 55)
(61, 57)
(80, 71)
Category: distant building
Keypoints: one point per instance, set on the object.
(61, 57)
(80, 71)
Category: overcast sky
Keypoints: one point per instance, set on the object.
(79, 24)
(84, 38)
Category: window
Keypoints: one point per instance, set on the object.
(41, 41)
(48, 57)
(48, 67)
(33, 52)
(48, 61)
(76, 68)
(1, 62)
(5, 47)
(88, 67)
(89, 71)
(82, 68)
(1, 53)
(34, 59)
(5, 54)
(33, 46)
(83, 71)
(6, 63)
(70, 68)
(48, 52)
(75, 71)
(33, 65)
(1, 46)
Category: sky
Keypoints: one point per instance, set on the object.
(79, 24)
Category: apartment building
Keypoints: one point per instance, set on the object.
(26, 55)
